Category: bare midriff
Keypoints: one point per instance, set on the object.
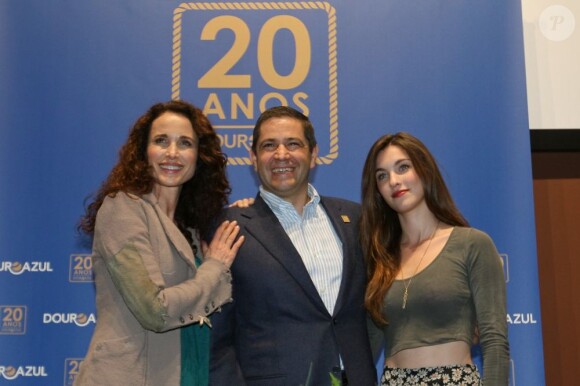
(446, 354)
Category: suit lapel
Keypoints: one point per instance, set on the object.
(173, 233)
(267, 230)
(346, 230)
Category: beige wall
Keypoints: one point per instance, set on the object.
(552, 51)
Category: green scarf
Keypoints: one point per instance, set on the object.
(195, 352)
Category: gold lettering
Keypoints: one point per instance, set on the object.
(235, 141)
(238, 104)
(272, 95)
(213, 106)
(298, 100)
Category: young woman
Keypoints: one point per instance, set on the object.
(147, 223)
(435, 285)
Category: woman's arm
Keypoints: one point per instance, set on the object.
(123, 239)
(488, 289)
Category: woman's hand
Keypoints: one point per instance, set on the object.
(243, 203)
(224, 246)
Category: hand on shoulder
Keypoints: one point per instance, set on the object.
(225, 244)
(243, 203)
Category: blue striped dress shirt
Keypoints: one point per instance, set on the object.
(315, 240)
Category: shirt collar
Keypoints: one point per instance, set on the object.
(278, 204)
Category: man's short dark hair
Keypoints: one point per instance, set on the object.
(280, 112)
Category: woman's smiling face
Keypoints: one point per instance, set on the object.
(172, 151)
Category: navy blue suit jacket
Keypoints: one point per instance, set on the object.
(277, 331)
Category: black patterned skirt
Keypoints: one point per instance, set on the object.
(460, 375)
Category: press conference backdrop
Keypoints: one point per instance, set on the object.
(75, 75)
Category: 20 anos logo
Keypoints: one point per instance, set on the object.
(257, 55)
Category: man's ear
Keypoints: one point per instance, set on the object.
(254, 159)
(314, 157)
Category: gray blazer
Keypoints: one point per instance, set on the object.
(147, 286)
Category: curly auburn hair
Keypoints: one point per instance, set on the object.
(380, 228)
(202, 198)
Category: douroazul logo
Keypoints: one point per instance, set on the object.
(13, 372)
(81, 268)
(521, 318)
(71, 370)
(12, 320)
(18, 268)
(80, 319)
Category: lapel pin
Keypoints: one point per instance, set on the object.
(345, 218)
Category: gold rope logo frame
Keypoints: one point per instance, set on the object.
(332, 58)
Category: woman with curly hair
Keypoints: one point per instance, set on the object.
(156, 280)
(432, 280)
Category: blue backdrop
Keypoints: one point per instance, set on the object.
(75, 75)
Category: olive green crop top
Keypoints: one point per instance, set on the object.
(462, 288)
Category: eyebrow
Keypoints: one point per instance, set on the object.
(397, 162)
(165, 135)
(285, 139)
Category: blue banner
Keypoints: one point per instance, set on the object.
(75, 76)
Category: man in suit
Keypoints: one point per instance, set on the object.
(298, 279)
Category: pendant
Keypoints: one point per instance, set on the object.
(405, 296)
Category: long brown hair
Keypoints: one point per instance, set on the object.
(202, 198)
(380, 229)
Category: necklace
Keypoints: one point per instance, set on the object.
(407, 284)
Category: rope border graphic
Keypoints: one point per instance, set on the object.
(332, 58)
